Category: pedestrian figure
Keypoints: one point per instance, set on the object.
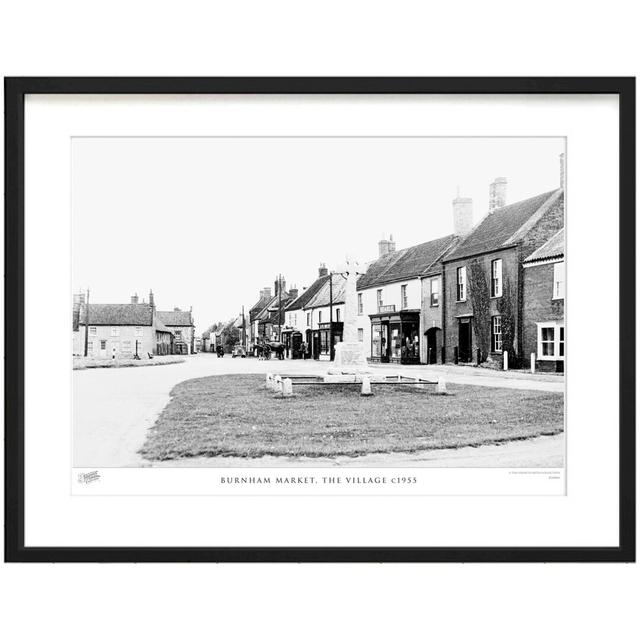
(267, 352)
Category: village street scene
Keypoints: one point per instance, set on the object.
(447, 352)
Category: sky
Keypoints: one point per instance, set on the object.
(208, 222)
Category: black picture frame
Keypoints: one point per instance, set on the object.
(15, 91)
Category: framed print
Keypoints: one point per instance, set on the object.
(320, 319)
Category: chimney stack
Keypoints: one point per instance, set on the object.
(277, 282)
(462, 215)
(562, 170)
(497, 194)
(293, 292)
(386, 246)
(322, 270)
(151, 302)
(134, 298)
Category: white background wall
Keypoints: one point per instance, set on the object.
(288, 38)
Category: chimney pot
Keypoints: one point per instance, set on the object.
(134, 298)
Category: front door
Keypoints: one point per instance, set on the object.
(316, 345)
(103, 348)
(464, 340)
(384, 342)
(432, 345)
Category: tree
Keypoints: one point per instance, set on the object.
(508, 320)
(479, 294)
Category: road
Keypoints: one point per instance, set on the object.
(113, 408)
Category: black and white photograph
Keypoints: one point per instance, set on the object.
(318, 302)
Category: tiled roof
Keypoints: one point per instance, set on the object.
(552, 248)
(159, 326)
(303, 299)
(270, 311)
(258, 306)
(175, 318)
(321, 298)
(503, 227)
(117, 314)
(404, 264)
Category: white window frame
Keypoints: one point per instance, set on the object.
(338, 314)
(434, 281)
(138, 332)
(556, 326)
(360, 334)
(319, 316)
(496, 343)
(115, 332)
(93, 331)
(404, 297)
(461, 284)
(360, 306)
(558, 281)
(89, 347)
(379, 300)
(496, 278)
(308, 318)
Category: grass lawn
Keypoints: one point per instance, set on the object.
(235, 415)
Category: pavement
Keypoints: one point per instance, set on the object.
(114, 408)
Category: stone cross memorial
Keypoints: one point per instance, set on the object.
(349, 354)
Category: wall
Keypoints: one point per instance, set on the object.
(539, 306)
(187, 334)
(431, 317)
(146, 342)
(453, 308)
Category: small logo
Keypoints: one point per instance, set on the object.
(87, 478)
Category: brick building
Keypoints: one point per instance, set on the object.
(482, 286)
(543, 313)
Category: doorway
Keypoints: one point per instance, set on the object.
(464, 339)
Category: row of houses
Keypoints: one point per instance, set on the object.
(130, 329)
(462, 298)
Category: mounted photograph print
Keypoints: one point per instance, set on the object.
(320, 319)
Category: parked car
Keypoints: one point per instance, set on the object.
(239, 350)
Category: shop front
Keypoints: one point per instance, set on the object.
(321, 345)
(395, 337)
